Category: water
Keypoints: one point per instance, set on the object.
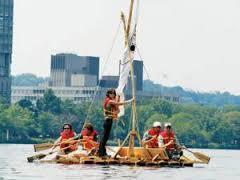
(224, 164)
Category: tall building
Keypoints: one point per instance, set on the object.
(73, 70)
(138, 72)
(138, 76)
(6, 32)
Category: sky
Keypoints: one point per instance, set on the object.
(191, 43)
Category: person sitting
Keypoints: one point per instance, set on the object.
(66, 134)
(151, 137)
(172, 148)
(89, 137)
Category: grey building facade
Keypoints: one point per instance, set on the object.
(6, 33)
(64, 66)
(109, 81)
(138, 73)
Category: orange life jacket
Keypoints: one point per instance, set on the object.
(110, 111)
(64, 137)
(154, 142)
(167, 137)
(89, 141)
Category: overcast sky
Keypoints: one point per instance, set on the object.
(192, 43)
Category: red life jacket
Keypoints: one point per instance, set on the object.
(89, 142)
(110, 111)
(64, 137)
(167, 137)
(154, 142)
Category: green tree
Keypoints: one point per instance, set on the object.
(16, 121)
(49, 103)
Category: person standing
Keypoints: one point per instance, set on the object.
(111, 110)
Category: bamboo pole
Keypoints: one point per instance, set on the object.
(130, 17)
(133, 131)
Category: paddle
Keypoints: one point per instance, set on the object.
(204, 158)
(45, 146)
(39, 156)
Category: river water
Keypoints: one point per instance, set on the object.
(224, 164)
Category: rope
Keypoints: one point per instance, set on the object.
(145, 69)
(98, 87)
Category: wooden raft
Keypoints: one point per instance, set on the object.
(143, 157)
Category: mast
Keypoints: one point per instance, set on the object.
(133, 130)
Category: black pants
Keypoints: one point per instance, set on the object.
(107, 129)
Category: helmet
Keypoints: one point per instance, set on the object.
(168, 124)
(156, 124)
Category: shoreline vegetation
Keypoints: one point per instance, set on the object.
(196, 125)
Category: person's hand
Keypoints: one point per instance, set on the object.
(131, 100)
(54, 146)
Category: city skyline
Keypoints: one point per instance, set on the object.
(188, 43)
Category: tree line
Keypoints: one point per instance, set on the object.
(195, 125)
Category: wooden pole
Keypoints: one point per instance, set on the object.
(133, 131)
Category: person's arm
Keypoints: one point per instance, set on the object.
(121, 103)
(79, 136)
(145, 136)
(160, 141)
(56, 143)
(95, 138)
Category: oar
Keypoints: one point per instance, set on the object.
(45, 146)
(204, 158)
(39, 156)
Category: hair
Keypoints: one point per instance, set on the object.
(67, 124)
(88, 126)
(111, 91)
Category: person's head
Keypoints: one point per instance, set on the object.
(89, 127)
(157, 126)
(67, 127)
(111, 93)
(168, 126)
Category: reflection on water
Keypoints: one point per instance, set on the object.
(13, 165)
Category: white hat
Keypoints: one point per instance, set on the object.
(168, 124)
(156, 124)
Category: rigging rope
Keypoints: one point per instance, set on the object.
(104, 66)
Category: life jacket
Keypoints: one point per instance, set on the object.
(167, 137)
(88, 140)
(154, 142)
(110, 111)
(64, 137)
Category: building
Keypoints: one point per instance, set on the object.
(109, 81)
(77, 94)
(6, 33)
(112, 81)
(83, 80)
(138, 76)
(69, 69)
(33, 93)
(138, 73)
